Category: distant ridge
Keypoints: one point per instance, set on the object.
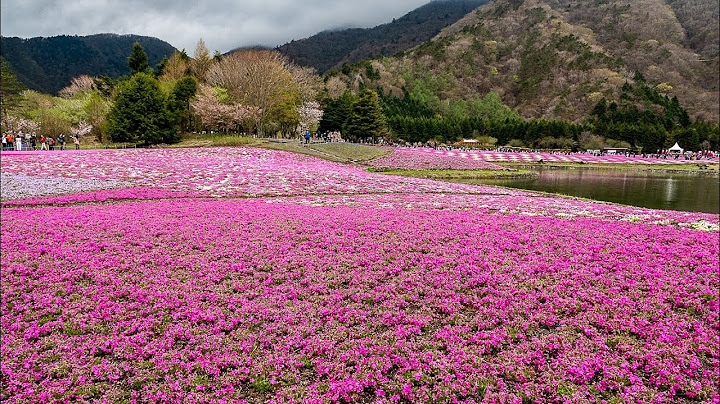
(331, 49)
(48, 64)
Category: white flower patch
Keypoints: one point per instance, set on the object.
(19, 186)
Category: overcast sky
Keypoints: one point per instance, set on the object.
(222, 24)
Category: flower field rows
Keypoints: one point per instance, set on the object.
(530, 157)
(384, 289)
(423, 159)
(222, 172)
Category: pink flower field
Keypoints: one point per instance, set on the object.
(303, 281)
(427, 159)
(480, 156)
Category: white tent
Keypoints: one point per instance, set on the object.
(676, 149)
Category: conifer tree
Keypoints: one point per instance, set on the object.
(366, 119)
(138, 60)
(140, 113)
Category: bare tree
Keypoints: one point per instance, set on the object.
(201, 61)
(256, 78)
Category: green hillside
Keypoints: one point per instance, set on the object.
(556, 59)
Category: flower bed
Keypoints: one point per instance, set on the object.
(247, 300)
(221, 172)
(342, 285)
(527, 157)
(425, 159)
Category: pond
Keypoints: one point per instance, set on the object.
(657, 190)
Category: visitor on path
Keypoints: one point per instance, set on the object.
(76, 141)
(61, 140)
(307, 137)
(4, 142)
(51, 143)
(43, 143)
(18, 143)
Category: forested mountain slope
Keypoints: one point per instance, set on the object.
(332, 49)
(558, 58)
(48, 64)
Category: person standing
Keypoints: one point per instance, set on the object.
(43, 143)
(4, 141)
(61, 140)
(76, 141)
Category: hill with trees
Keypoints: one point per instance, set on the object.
(555, 59)
(331, 49)
(49, 64)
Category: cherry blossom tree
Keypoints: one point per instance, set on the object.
(310, 115)
(78, 85)
(81, 129)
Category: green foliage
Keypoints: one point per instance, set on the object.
(366, 119)
(138, 60)
(336, 112)
(140, 113)
(659, 124)
(10, 88)
(179, 101)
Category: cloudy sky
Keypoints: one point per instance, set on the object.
(222, 24)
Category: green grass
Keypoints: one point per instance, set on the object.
(457, 174)
(338, 152)
(350, 151)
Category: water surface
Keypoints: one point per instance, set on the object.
(657, 190)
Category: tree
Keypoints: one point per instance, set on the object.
(10, 88)
(179, 100)
(140, 113)
(310, 115)
(201, 61)
(256, 78)
(138, 60)
(336, 112)
(366, 119)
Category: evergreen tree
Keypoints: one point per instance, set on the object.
(179, 100)
(10, 87)
(140, 113)
(336, 112)
(366, 119)
(138, 60)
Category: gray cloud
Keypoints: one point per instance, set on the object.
(222, 24)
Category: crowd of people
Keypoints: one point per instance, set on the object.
(29, 141)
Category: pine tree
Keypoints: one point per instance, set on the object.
(366, 120)
(138, 60)
(10, 87)
(140, 113)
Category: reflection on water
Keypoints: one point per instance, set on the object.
(673, 191)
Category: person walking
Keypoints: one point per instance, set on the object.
(43, 143)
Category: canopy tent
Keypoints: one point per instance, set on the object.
(676, 149)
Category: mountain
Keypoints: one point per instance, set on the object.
(557, 58)
(331, 49)
(49, 64)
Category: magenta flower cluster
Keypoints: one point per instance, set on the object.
(383, 290)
